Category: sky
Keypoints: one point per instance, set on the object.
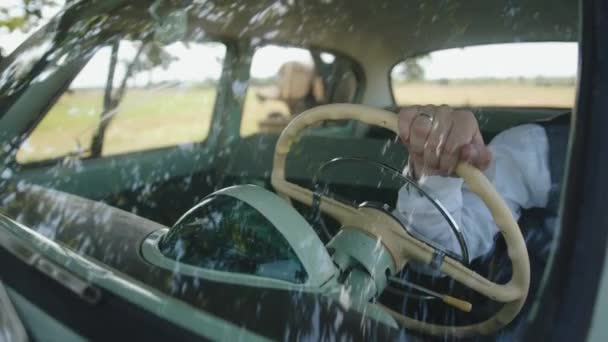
(199, 62)
(206, 58)
(505, 60)
(499, 61)
(10, 41)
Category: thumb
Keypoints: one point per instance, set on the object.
(477, 155)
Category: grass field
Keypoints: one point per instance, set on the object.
(145, 119)
(509, 95)
(164, 117)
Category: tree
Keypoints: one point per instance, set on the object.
(149, 56)
(412, 68)
(26, 14)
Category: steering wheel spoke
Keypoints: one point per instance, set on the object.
(504, 293)
(337, 210)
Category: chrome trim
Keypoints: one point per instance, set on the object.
(464, 259)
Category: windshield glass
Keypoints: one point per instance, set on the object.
(119, 117)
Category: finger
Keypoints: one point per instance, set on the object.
(415, 162)
(476, 155)
(485, 159)
(478, 139)
(462, 133)
(406, 117)
(468, 153)
(435, 142)
(447, 163)
(420, 129)
(419, 169)
(485, 155)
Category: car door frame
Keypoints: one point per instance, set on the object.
(568, 297)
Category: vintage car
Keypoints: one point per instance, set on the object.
(228, 170)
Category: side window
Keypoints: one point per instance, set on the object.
(501, 75)
(131, 96)
(287, 81)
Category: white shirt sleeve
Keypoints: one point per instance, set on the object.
(520, 173)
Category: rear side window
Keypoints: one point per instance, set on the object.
(502, 75)
(286, 81)
(130, 97)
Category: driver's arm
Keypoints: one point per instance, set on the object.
(516, 162)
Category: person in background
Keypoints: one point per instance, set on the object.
(298, 87)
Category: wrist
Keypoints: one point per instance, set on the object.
(416, 170)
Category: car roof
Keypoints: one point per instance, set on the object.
(393, 28)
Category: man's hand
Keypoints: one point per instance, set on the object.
(437, 138)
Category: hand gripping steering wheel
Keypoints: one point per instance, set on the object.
(404, 247)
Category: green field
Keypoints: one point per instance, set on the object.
(164, 117)
(145, 119)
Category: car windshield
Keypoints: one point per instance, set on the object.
(257, 168)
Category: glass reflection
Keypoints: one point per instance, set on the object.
(225, 234)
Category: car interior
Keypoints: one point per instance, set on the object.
(95, 200)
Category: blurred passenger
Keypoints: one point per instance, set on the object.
(299, 87)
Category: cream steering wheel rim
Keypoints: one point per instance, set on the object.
(404, 247)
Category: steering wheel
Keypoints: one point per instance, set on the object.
(402, 246)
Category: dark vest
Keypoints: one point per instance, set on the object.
(558, 131)
(539, 224)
